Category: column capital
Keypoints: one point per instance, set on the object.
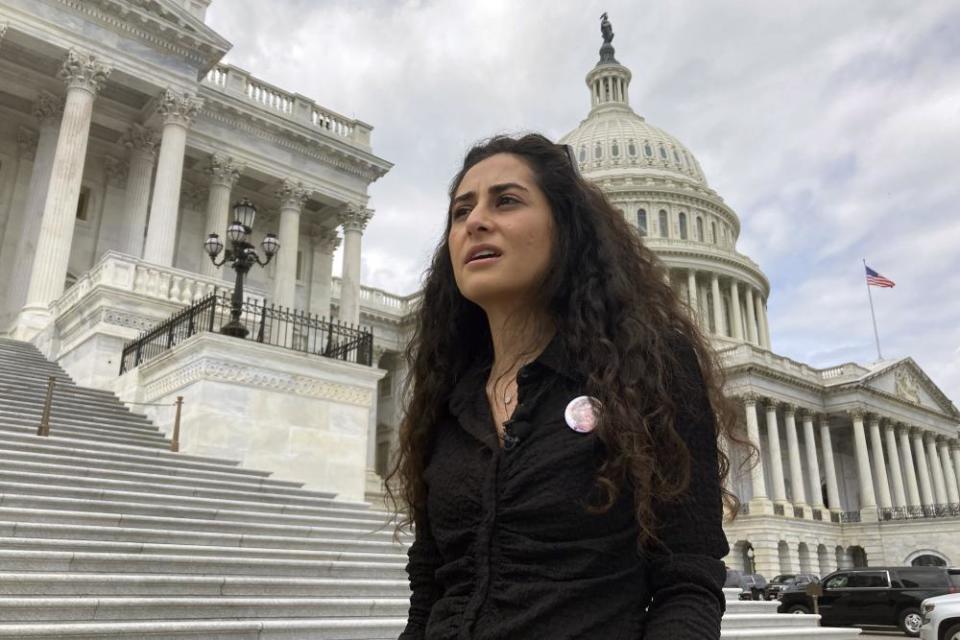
(770, 403)
(115, 171)
(48, 109)
(915, 431)
(750, 397)
(178, 108)
(806, 413)
(292, 194)
(789, 407)
(27, 142)
(354, 218)
(954, 445)
(326, 240)
(857, 413)
(873, 419)
(140, 139)
(224, 171)
(83, 71)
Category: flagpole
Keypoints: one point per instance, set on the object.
(876, 334)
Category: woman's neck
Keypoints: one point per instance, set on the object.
(518, 337)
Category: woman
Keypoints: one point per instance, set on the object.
(559, 454)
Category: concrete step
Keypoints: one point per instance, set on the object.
(751, 606)
(23, 400)
(85, 609)
(768, 621)
(155, 584)
(61, 445)
(91, 562)
(64, 413)
(394, 555)
(314, 629)
(139, 495)
(148, 509)
(64, 384)
(818, 633)
(35, 373)
(89, 434)
(355, 531)
(145, 535)
(28, 390)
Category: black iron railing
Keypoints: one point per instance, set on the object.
(778, 510)
(798, 512)
(268, 324)
(920, 512)
(817, 514)
(834, 517)
(850, 516)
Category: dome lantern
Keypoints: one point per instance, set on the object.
(609, 81)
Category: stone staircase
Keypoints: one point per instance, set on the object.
(105, 534)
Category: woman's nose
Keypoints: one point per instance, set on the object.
(478, 219)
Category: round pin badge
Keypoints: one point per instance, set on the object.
(581, 414)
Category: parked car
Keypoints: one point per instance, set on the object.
(752, 586)
(941, 615)
(886, 596)
(785, 580)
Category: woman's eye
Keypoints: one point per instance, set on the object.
(459, 212)
(507, 199)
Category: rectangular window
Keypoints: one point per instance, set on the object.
(299, 265)
(923, 578)
(868, 580)
(83, 204)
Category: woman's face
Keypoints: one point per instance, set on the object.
(501, 232)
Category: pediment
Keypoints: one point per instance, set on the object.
(905, 380)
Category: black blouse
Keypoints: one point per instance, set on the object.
(509, 552)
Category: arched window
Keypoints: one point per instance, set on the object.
(928, 560)
(642, 221)
(632, 149)
(597, 152)
(647, 151)
(615, 150)
(713, 231)
(663, 224)
(683, 226)
(699, 229)
(663, 153)
(676, 156)
(583, 153)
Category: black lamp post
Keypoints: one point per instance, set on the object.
(242, 256)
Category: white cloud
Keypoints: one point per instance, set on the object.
(829, 127)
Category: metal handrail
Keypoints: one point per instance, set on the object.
(44, 427)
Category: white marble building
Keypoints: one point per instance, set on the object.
(124, 140)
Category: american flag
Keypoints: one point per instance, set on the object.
(877, 280)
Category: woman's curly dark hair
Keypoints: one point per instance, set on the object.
(618, 319)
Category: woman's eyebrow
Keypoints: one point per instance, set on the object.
(493, 190)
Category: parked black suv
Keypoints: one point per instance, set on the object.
(874, 596)
(785, 580)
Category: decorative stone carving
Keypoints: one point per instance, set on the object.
(223, 170)
(788, 407)
(140, 139)
(27, 142)
(906, 386)
(326, 240)
(83, 71)
(857, 412)
(292, 194)
(354, 218)
(178, 108)
(115, 171)
(48, 108)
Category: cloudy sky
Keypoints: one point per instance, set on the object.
(831, 128)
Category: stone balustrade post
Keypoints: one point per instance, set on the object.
(292, 196)
(913, 490)
(84, 75)
(868, 498)
(829, 466)
(893, 456)
(923, 472)
(813, 464)
(354, 220)
(880, 468)
(177, 111)
(224, 172)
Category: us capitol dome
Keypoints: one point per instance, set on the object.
(659, 186)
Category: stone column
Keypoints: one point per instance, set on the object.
(717, 305)
(829, 467)
(111, 220)
(85, 76)
(757, 481)
(793, 453)
(177, 111)
(325, 243)
(776, 460)
(936, 471)
(868, 499)
(948, 475)
(879, 466)
(142, 143)
(893, 455)
(354, 220)
(762, 319)
(923, 473)
(736, 318)
(223, 172)
(955, 453)
(692, 293)
(751, 317)
(813, 465)
(23, 226)
(292, 195)
(908, 468)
